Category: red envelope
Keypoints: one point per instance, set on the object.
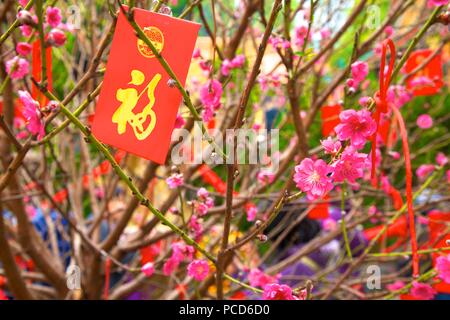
(432, 70)
(136, 110)
(330, 119)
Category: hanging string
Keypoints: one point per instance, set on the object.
(409, 197)
(382, 107)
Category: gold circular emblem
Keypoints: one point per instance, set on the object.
(156, 37)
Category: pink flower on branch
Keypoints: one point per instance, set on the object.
(275, 291)
(312, 177)
(436, 3)
(17, 68)
(422, 291)
(211, 93)
(350, 166)
(53, 16)
(424, 121)
(258, 278)
(198, 269)
(357, 126)
(23, 48)
(330, 146)
(56, 38)
(175, 180)
(443, 267)
(148, 269)
(31, 112)
(424, 170)
(360, 70)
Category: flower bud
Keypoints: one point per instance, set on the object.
(56, 38)
(26, 18)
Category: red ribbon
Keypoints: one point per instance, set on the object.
(382, 107)
(107, 276)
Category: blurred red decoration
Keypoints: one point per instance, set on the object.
(330, 118)
(37, 72)
(432, 70)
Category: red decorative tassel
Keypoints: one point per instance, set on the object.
(380, 98)
(382, 107)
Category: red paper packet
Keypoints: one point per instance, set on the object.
(136, 110)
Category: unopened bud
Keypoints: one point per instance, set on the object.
(26, 18)
(171, 83)
(262, 237)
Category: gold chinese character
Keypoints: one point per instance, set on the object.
(129, 98)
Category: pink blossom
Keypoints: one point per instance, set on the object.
(198, 269)
(330, 146)
(325, 33)
(398, 95)
(23, 48)
(23, 3)
(424, 121)
(351, 84)
(208, 114)
(17, 68)
(364, 101)
(312, 177)
(179, 121)
(329, 224)
(441, 159)
(389, 31)
(26, 30)
(350, 166)
(300, 34)
(258, 278)
(170, 266)
(56, 38)
(238, 61)
(265, 177)
(436, 3)
(182, 250)
(397, 285)
(175, 180)
(202, 193)
(251, 212)
(31, 112)
(195, 226)
(148, 269)
(211, 93)
(357, 126)
(275, 291)
(53, 16)
(360, 70)
(201, 208)
(423, 220)
(422, 291)
(443, 268)
(394, 154)
(424, 170)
